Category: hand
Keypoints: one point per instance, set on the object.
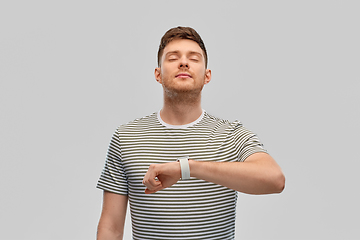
(160, 176)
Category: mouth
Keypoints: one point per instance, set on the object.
(183, 75)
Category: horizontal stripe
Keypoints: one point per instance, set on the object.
(190, 209)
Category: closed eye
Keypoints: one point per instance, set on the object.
(173, 58)
(194, 56)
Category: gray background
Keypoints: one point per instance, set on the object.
(72, 71)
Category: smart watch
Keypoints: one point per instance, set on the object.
(185, 168)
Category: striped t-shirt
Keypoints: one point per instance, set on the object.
(190, 209)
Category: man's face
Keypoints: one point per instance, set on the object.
(182, 67)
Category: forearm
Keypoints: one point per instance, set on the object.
(112, 219)
(255, 176)
(105, 233)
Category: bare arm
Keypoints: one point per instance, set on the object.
(258, 174)
(112, 220)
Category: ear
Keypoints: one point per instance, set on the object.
(207, 76)
(157, 74)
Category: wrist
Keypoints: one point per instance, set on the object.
(192, 164)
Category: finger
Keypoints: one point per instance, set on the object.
(153, 186)
(150, 178)
(151, 183)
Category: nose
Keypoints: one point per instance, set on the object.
(183, 63)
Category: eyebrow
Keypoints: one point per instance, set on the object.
(189, 53)
(195, 53)
(170, 53)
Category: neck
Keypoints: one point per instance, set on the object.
(181, 110)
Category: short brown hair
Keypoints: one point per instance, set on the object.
(181, 33)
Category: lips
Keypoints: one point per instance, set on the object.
(183, 75)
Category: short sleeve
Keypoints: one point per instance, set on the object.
(246, 142)
(113, 177)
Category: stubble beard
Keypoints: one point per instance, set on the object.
(182, 95)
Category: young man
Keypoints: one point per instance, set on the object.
(180, 169)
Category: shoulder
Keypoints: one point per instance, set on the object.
(139, 124)
(221, 123)
(231, 128)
